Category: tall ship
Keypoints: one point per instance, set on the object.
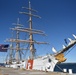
(33, 62)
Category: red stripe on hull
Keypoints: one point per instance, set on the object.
(29, 64)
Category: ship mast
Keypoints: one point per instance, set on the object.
(18, 55)
(11, 51)
(18, 50)
(32, 48)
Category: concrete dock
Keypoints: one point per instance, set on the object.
(11, 71)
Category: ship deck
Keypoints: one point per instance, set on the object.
(11, 71)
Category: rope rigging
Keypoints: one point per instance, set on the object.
(70, 50)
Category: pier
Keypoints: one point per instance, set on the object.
(11, 71)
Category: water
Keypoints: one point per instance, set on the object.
(67, 66)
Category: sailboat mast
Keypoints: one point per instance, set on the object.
(11, 50)
(30, 30)
(18, 55)
(17, 46)
(32, 49)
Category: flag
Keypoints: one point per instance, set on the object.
(65, 41)
(3, 47)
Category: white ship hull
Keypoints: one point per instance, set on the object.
(45, 63)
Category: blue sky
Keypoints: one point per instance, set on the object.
(58, 21)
